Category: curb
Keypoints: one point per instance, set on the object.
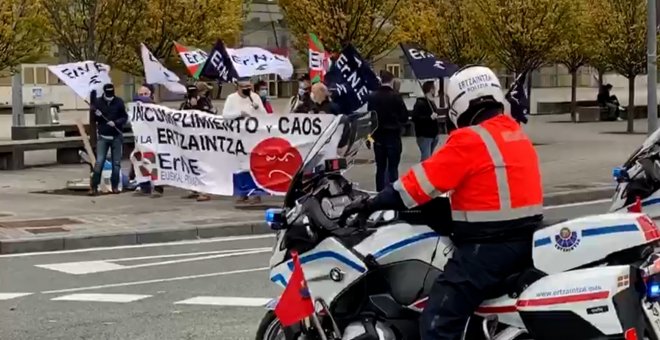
(55, 243)
(574, 196)
(255, 227)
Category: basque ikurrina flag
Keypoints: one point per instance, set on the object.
(319, 59)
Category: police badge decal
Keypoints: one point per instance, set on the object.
(566, 240)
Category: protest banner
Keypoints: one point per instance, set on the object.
(425, 65)
(156, 73)
(192, 58)
(351, 79)
(202, 152)
(83, 77)
(518, 99)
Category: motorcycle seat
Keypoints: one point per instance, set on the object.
(516, 283)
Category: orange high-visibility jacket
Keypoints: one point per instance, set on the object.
(491, 170)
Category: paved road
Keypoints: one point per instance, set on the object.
(184, 290)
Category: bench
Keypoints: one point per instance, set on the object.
(33, 131)
(12, 153)
(588, 113)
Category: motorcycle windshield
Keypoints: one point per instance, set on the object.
(650, 142)
(343, 138)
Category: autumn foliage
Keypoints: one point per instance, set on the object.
(23, 32)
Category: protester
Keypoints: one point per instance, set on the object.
(110, 115)
(198, 98)
(609, 101)
(396, 85)
(244, 103)
(392, 115)
(321, 102)
(204, 102)
(302, 103)
(261, 88)
(145, 95)
(424, 116)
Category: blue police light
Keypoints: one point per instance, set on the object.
(274, 218)
(619, 174)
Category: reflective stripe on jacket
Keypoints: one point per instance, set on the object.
(491, 170)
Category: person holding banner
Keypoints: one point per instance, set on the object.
(145, 95)
(111, 116)
(424, 117)
(244, 103)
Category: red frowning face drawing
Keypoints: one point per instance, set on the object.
(274, 162)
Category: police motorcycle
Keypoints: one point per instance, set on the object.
(594, 277)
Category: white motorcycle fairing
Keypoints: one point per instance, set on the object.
(584, 297)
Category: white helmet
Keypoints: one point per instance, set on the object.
(470, 86)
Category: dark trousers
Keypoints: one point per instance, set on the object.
(102, 146)
(388, 156)
(469, 276)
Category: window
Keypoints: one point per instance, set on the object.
(395, 69)
(28, 75)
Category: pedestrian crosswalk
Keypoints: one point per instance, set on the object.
(216, 301)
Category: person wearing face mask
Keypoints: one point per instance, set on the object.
(302, 102)
(321, 98)
(262, 89)
(110, 115)
(244, 103)
(424, 117)
(145, 95)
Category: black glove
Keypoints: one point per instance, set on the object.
(362, 206)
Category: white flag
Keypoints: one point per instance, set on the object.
(256, 61)
(156, 73)
(83, 76)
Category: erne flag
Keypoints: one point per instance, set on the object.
(192, 58)
(425, 65)
(295, 303)
(319, 59)
(218, 66)
(519, 99)
(351, 80)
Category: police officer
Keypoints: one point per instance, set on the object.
(492, 171)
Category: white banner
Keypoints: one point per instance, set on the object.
(156, 73)
(202, 152)
(255, 61)
(83, 77)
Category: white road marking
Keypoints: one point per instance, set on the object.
(88, 267)
(169, 279)
(577, 204)
(225, 301)
(148, 245)
(121, 298)
(9, 296)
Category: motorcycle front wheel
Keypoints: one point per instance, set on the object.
(270, 328)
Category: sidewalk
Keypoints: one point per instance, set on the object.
(576, 160)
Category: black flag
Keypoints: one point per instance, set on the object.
(218, 65)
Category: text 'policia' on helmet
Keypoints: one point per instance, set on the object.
(471, 88)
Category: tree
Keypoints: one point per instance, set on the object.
(22, 32)
(364, 23)
(99, 30)
(441, 27)
(624, 40)
(520, 34)
(576, 48)
(194, 23)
